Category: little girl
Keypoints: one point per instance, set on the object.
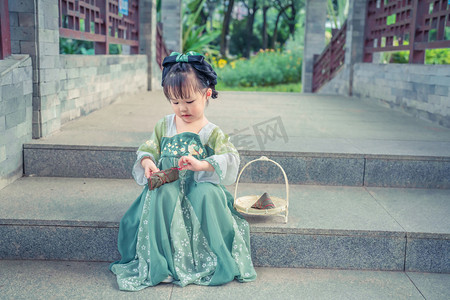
(185, 231)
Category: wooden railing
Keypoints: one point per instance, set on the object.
(99, 21)
(161, 49)
(5, 35)
(330, 61)
(412, 25)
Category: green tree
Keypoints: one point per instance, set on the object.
(226, 28)
(212, 6)
(265, 38)
(196, 36)
(252, 7)
(289, 10)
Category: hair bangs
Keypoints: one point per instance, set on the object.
(181, 85)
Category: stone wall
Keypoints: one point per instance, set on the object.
(342, 82)
(314, 40)
(419, 90)
(41, 90)
(16, 92)
(83, 84)
(67, 87)
(88, 83)
(339, 84)
(172, 24)
(22, 26)
(35, 31)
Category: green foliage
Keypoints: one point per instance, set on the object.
(198, 41)
(196, 37)
(437, 56)
(239, 39)
(267, 68)
(285, 88)
(283, 27)
(337, 12)
(70, 46)
(432, 57)
(391, 19)
(158, 10)
(296, 43)
(400, 57)
(115, 49)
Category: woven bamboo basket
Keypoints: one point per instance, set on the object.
(243, 204)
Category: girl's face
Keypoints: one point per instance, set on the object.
(191, 109)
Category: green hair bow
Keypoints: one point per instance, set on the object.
(184, 57)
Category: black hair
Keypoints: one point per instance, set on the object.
(177, 77)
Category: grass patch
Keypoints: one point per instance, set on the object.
(287, 87)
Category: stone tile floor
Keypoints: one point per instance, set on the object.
(312, 207)
(91, 280)
(304, 123)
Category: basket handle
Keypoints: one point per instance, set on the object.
(264, 158)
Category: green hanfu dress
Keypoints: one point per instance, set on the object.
(187, 229)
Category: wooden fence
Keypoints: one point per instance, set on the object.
(161, 49)
(330, 61)
(391, 25)
(412, 25)
(5, 35)
(101, 22)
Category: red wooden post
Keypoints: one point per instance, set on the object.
(161, 50)
(101, 47)
(417, 56)
(108, 25)
(135, 49)
(368, 56)
(5, 33)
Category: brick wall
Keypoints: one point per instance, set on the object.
(16, 90)
(88, 83)
(419, 90)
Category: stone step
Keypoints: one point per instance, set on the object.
(348, 169)
(337, 227)
(21, 279)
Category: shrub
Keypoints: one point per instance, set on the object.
(437, 56)
(432, 56)
(264, 69)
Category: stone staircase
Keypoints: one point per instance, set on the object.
(364, 211)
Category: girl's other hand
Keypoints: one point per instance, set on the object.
(149, 167)
(191, 163)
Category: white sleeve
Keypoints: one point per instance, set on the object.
(225, 169)
(138, 171)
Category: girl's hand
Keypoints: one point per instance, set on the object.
(149, 166)
(191, 163)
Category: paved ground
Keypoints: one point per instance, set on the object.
(312, 123)
(83, 280)
(312, 208)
